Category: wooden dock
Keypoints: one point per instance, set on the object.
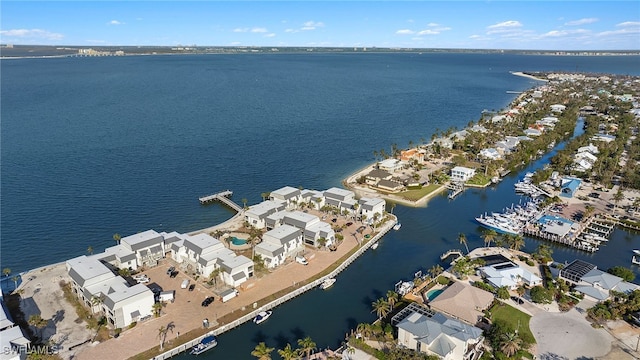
(458, 254)
(223, 197)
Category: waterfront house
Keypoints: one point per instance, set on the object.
(342, 199)
(443, 142)
(569, 186)
(463, 301)
(434, 333)
(603, 137)
(594, 283)
(288, 195)
(13, 342)
(279, 244)
(490, 153)
(412, 154)
(147, 245)
(583, 161)
(310, 225)
(257, 214)
(532, 132)
(508, 274)
(120, 257)
(375, 175)
(461, 173)
(390, 165)
(592, 149)
(314, 198)
(100, 289)
(557, 108)
(372, 207)
(390, 185)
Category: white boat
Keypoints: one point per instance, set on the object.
(498, 226)
(205, 344)
(327, 283)
(636, 251)
(397, 226)
(375, 245)
(262, 316)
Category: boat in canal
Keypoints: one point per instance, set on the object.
(327, 283)
(205, 344)
(262, 316)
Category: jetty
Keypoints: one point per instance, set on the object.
(223, 197)
(456, 188)
(458, 254)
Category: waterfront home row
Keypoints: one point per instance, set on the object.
(12, 340)
(96, 283)
(288, 198)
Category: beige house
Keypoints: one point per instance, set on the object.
(463, 301)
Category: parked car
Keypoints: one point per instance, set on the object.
(174, 274)
(208, 301)
(301, 260)
(170, 270)
(185, 284)
(142, 279)
(192, 287)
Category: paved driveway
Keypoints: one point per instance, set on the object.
(568, 336)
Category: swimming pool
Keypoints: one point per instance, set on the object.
(432, 294)
(237, 241)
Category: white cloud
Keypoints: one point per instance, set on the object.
(115, 22)
(270, 35)
(629, 24)
(259, 30)
(621, 32)
(240, 30)
(428, 32)
(311, 25)
(291, 31)
(564, 33)
(581, 21)
(31, 33)
(502, 27)
(405, 32)
(432, 24)
(410, 21)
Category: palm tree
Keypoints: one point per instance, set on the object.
(289, 353)
(510, 343)
(307, 345)
(262, 352)
(162, 335)
(39, 323)
(6, 271)
(520, 290)
(489, 235)
(517, 243)
(157, 309)
(214, 276)
(244, 203)
(90, 250)
(588, 210)
(380, 307)
(392, 298)
(392, 206)
(436, 270)
(350, 351)
(264, 195)
(462, 238)
(97, 300)
(116, 238)
(364, 329)
(618, 196)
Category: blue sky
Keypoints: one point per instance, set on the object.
(534, 25)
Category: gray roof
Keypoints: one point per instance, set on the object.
(270, 249)
(298, 219)
(201, 242)
(282, 234)
(285, 193)
(142, 240)
(378, 173)
(84, 268)
(603, 279)
(338, 194)
(428, 328)
(238, 276)
(265, 208)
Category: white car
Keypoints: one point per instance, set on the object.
(301, 260)
(142, 279)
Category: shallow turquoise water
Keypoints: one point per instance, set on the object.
(237, 241)
(432, 294)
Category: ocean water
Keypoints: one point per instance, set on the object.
(95, 146)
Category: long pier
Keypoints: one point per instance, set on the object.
(223, 197)
(295, 293)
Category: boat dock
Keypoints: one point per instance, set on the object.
(223, 197)
(456, 252)
(456, 188)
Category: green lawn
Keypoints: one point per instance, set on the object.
(417, 194)
(479, 179)
(515, 318)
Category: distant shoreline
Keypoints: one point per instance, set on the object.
(520, 73)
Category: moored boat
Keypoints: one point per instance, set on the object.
(327, 283)
(205, 344)
(375, 245)
(397, 226)
(498, 226)
(636, 251)
(262, 316)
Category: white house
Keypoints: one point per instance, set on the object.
(390, 165)
(532, 132)
(257, 214)
(101, 290)
(340, 198)
(584, 161)
(436, 334)
(491, 154)
(314, 198)
(147, 245)
(287, 194)
(279, 244)
(369, 207)
(592, 149)
(558, 108)
(461, 173)
(312, 228)
(510, 275)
